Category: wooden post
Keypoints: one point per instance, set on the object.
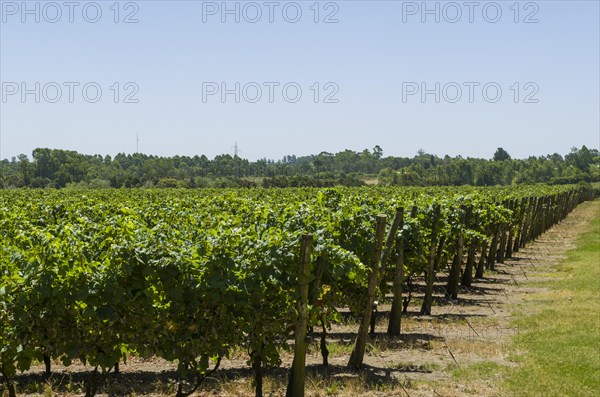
(391, 239)
(522, 205)
(297, 378)
(48, 365)
(358, 353)
(511, 230)
(500, 254)
(534, 219)
(385, 255)
(526, 223)
(482, 259)
(501, 243)
(396, 310)
(491, 258)
(454, 277)
(428, 299)
(257, 368)
(315, 303)
(467, 277)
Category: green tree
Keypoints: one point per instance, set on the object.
(377, 152)
(501, 155)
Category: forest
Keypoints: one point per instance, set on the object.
(56, 168)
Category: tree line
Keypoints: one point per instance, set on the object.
(56, 168)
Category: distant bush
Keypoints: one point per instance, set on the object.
(95, 183)
(170, 183)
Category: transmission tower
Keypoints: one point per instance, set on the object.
(236, 150)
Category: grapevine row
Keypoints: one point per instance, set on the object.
(190, 276)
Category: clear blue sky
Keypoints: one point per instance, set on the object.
(376, 51)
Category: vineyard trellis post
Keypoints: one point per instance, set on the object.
(297, 373)
(453, 278)
(315, 302)
(467, 277)
(428, 299)
(358, 353)
(396, 310)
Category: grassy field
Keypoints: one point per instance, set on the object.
(559, 349)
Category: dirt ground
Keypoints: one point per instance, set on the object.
(456, 351)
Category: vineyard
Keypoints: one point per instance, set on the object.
(190, 275)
